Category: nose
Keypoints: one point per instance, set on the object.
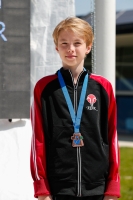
(70, 48)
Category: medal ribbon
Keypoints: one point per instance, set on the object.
(75, 118)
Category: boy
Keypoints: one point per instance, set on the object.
(74, 151)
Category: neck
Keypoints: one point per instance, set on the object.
(75, 73)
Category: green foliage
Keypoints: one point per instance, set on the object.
(126, 173)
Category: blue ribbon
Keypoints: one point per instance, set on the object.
(75, 118)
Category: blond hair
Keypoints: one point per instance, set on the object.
(77, 25)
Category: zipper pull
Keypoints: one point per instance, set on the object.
(75, 86)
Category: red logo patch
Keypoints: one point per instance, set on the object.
(91, 98)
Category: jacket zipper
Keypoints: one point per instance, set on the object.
(78, 148)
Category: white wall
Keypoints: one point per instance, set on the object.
(45, 15)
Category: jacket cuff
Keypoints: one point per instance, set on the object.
(113, 188)
(41, 187)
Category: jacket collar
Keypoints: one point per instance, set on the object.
(68, 78)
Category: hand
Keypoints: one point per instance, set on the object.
(110, 198)
(47, 197)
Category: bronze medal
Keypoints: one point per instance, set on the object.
(77, 140)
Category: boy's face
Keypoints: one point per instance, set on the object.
(72, 49)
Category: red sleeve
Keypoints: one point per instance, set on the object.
(113, 182)
(38, 153)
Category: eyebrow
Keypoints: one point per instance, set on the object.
(66, 40)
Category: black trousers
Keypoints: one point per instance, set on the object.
(61, 197)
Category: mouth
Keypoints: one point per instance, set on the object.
(71, 56)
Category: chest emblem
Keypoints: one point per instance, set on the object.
(91, 98)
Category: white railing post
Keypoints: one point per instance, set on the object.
(105, 15)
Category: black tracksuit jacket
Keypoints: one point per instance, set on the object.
(58, 168)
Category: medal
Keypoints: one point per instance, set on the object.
(77, 138)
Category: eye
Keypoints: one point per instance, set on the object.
(64, 43)
(77, 43)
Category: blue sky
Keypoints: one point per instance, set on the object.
(83, 7)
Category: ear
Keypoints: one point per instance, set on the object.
(56, 49)
(88, 49)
